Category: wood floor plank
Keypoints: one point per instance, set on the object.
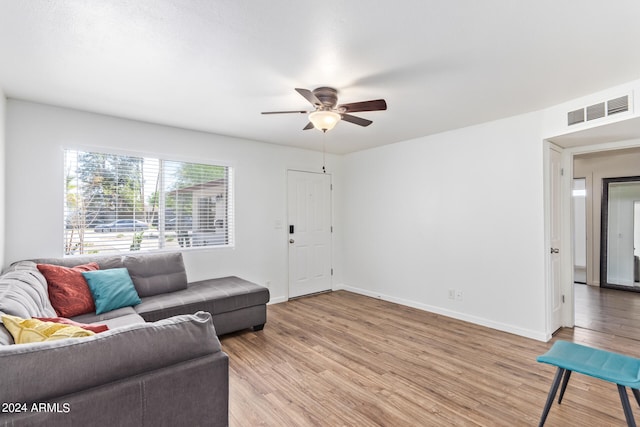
(607, 310)
(342, 359)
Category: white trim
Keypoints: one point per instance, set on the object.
(546, 194)
(138, 153)
(277, 300)
(606, 146)
(566, 241)
(339, 287)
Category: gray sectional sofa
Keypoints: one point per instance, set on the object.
(160, 362)
(161, 282)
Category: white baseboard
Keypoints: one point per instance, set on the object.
(277, 300)
(527, 333)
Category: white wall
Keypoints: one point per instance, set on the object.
(456, 211)
(3, 106)
(36, 135)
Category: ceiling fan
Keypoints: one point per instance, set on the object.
(327, 113)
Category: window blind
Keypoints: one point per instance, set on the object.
(116, 203)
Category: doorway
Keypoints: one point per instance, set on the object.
(621, 136)
(309, 219)
(595, 307)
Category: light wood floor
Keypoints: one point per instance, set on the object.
(608, 310)
(341, 359)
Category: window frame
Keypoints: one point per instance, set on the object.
(230, 211)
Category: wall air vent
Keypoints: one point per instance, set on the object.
(574, 117)
(599, 110)
(618, 105)
(595, 111)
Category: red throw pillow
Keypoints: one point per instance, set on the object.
(93, 328)
(68, 291)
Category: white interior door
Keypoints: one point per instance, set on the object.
(309, 215)
(555, 264)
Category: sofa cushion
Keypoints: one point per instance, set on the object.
(65, 321)
(105, 262)
(103, 358)
(127, 320)
(157, 274)
(33, 330)
(102, 317)
(111, 289)
(113, 319)
(68, 290)
(23, 292)
(215, 296)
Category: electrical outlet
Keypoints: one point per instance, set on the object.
(452, 294)
(459, 295)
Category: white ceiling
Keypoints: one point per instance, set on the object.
(214, 65)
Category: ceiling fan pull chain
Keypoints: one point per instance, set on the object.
(324, 138)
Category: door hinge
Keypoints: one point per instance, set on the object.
(331, 187)
(561, 171)
(563, 299)
(332, 271)
(332, 228)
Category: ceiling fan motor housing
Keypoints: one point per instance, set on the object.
(328, 96)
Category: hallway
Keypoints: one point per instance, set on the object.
(608, 311)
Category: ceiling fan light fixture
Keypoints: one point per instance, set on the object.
(324, 120)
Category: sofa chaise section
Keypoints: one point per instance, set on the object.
(234, 303)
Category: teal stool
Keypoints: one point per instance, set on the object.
(624, 371)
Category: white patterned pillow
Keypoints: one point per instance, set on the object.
(23, 292)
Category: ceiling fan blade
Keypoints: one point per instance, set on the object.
(356, 120)
(308, 126)
(309, 96)
(285, 112)
(375, 105)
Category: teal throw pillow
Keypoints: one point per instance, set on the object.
(111, 289)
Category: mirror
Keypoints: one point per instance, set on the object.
(620, 242)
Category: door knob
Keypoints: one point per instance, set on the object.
(555, 250)
(291, 241)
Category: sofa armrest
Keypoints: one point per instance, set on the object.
(191, 393)
(42, 371)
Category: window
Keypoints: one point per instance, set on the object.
(116, 203)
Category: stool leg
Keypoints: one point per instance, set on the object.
(624, 398)
(552, 395)
(636, 394)
(565, 381)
